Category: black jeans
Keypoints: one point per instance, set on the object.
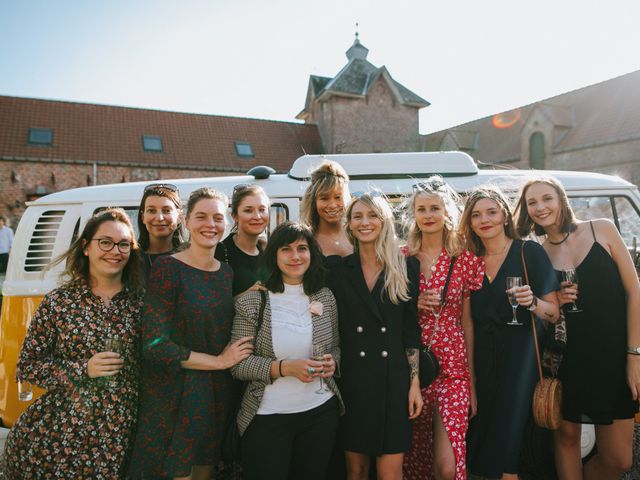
(290, 446)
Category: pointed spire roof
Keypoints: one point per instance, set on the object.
(355, 79)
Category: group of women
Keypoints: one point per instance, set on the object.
(324, 324)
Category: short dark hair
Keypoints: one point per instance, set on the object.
(284, 234)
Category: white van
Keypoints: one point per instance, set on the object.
(51, 223)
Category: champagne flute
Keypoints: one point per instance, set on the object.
(570, 279)
(318, 355)
(438, 309)
(513, 282)
(115, 345)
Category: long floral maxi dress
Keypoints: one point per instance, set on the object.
(81, 427)
(451, 389)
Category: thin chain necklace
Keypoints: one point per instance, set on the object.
(487, 254)
(561, 241)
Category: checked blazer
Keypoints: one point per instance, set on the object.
(256, 368)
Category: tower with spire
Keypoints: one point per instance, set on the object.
(362, 109)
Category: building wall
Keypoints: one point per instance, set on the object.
(21, 181)
(377, 123)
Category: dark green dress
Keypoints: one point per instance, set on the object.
(182, 412)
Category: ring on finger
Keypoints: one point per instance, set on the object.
(311, 370)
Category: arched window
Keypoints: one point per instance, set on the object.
(536, 151)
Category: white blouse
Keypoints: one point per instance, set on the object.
(292, 334)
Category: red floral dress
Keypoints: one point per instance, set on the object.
(451, 390)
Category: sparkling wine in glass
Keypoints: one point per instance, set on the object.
(437, 309)
(570, 279)
(513, 282)
(318, 355)
(115, 345)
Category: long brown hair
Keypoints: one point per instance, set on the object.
(77, 263)
(524, 222)
(474, 243)
(159, 190)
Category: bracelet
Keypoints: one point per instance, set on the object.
(280, 368)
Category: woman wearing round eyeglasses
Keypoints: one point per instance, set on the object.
(187, 392)
(159, 222)
(81, 427)
(323, 206)
(242, 247)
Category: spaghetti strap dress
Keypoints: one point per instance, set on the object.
(593, 369)
(505, 363)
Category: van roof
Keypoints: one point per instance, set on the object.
(391, 173)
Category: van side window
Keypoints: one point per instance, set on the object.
(628, 219)
(132, 213)
(279, 213)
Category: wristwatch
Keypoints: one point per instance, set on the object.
(633, 350)
(534, 304)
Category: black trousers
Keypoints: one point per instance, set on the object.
(292, 446)
(4, 261)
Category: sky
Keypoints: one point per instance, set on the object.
(253, 58)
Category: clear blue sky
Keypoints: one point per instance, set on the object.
(252, 58)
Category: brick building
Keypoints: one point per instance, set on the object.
(47, 146)
(363, 109)
(595, 129)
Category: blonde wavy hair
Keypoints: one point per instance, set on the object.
(324, 179)
(434, 187)
(387, 246)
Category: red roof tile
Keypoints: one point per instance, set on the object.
(101, 133)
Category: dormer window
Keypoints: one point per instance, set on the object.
(42, 137)
(152, 143)
(244, 149)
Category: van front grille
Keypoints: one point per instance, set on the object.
(42, 241)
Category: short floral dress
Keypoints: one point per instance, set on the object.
(81, 427)
(451, 389)
(183, 412)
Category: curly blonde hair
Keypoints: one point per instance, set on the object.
(324, 179)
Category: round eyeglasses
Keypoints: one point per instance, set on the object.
(106, 245)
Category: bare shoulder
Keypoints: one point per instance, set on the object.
(606, 231)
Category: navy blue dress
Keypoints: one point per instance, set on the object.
(505, 363)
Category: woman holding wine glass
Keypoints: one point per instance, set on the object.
(82, 426)
(600, 370)
(289, 412)
(438, 443)
(504, 352)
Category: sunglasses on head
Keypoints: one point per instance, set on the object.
(368, 193)
(434, 185)
(160, 186)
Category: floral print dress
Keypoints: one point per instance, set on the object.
(81, 427)
(183, 412)
(451, 390)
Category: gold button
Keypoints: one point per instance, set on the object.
(362, 354)
(384, 354)
(359, 329)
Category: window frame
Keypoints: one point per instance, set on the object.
(239, 143)
(36, 131)
(152, 138)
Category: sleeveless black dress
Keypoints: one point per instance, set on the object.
(593, 370)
